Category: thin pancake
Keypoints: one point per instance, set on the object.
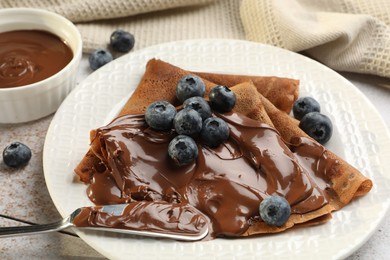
(282, 92)
(159, 83)
(160, 80)
(346, 181)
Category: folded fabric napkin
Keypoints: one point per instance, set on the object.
(345, 35)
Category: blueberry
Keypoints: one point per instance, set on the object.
(182, 150)
(16, 155)
(305, 105)
(199, 105)
(187, 122)
(275, 210)
(214, 131)
(317, 126)
(159, 115)
(98, 58)
(222, 99)
(122, 41)
(190, 86)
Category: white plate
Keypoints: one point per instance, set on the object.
(360, 137)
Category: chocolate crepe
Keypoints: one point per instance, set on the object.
(266, 154)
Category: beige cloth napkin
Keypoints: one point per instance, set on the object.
(346, 35)
(343, 34)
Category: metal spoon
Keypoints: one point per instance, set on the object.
(112, 209)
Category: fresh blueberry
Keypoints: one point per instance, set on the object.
(159, 115)
(187, 122)
(214, 131)
(122, 41)
(189, 86)
(275, 210)
(16, 155)
(305, 105)
(317, 126)
(199, 105)
(182, 150)
(222, 99)
(98, 58)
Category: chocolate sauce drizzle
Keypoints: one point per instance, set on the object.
(225, 184)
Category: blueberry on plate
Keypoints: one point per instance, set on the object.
(182, 150)
(275, 210)
(305, 105)
(199, 105)
(222, 99)
(318, 126)
(159, 115)
(189, 86)
(122, 41)
(214, 131)
(16, 155)
(98, 58)
(187, 122)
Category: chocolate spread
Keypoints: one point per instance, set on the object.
(226, 183)
(29, 56)
(159, 217)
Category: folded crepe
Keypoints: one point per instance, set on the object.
(347, 181)
(339, 182)
(160, 81)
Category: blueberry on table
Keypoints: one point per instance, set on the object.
(305, 105)
(199, 105)
(222, 99)
(16, 155)
(187, 122)
(98, 58)
(182, 150)
(189, 86)
(159, 115)
(318, 126)
(214, 131)
(122, 41)
(275, 210)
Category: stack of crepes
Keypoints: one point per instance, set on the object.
(326, 181)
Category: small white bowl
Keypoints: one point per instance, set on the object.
(34, 101)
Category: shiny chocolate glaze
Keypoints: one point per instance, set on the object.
(226, 183)
(159, 217)
(29, 56)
